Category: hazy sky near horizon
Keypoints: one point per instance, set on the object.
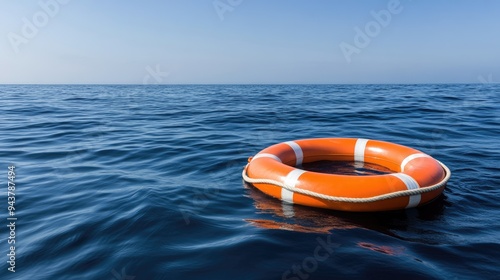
(249, 41)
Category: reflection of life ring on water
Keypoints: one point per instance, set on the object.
(273, 214)
(418, 177)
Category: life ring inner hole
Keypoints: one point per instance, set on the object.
(351, 168)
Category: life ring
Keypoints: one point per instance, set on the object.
(417, 179)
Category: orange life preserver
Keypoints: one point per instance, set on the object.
(417, 179)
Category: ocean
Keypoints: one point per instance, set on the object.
(144, 182)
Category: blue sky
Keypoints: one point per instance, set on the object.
(249, 41)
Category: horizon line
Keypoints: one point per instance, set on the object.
(238, 84)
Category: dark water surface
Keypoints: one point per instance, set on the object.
(144, 182)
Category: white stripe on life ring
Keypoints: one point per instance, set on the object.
(359, 150)
(299, 155)
(290, 181)
(411, 184)
(410, 158)
(267, 156)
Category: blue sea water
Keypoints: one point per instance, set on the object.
(144, 182)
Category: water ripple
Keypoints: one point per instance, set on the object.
(144, 181)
